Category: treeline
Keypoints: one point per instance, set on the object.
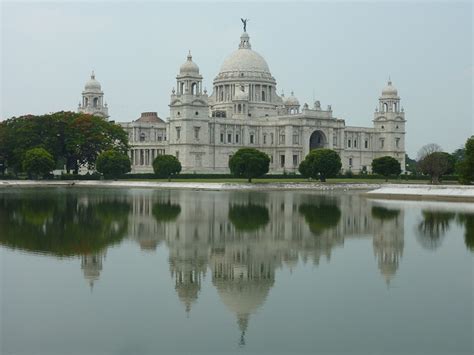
(38, 144)
(432, 161)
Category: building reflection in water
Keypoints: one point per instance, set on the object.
(243, 238)
(240, 238)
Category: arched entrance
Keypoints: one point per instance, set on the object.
(317, 140)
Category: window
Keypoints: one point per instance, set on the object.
(348, 143)
(355, 143)
(178, 132)
(282, 138)
(271, 138)
(237, 138)
(263, 95)
(334, 140)
(177, 154)
(382, 142)
(295, 139)
(159, 138)
(397, 142)
(196, 113)
(271, 159)
(282, 161)
(264, 139)
(222, 137)
(239, 108)
(229, 137)
(96, 102)
(251, 139)
(142, 137)
(383, 127)
(196, 132)
(295, 160)
(350, 162)
(366, 144)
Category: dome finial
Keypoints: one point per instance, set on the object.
(190, 57)
(92, 75)
(389, 80)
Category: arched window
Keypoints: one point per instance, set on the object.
(96, 101)
(395, 106)
(142, 137)
(222, 96)
(263, 95)
(239, 108)
(385, 107)
(350, 162)
(86, 102)
(194, 89)
(181, 88)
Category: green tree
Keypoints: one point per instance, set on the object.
(113, 164)
(249, 163)
(465, 167)
(73, 139)
(38, 162)
(386, 166)
(322, 163)
(166, 166)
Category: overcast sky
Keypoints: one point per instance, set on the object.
(338, 53)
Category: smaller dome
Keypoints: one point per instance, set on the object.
(389, 90)
(291, 100)
(149, 117)
(189, 67)
(92, 84)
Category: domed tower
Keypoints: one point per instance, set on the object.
(244, 79)
(292, 105)
(189, 118)
(91, 265)
(389, 124)
(93, 99)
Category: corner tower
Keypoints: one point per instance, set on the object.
(389, 126)
(93, 99)
(189, 118)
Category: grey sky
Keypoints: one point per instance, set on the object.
(341, 52)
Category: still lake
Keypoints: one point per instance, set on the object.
(143, 271)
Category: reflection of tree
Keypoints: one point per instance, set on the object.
(433, 227)
(384, 214)
(320, 215)
(166, 211)
(248, 217)
(62, 225)
(468, 221)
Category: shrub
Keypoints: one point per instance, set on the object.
(166, 166)
(113, 164)
(249, 163)
(322, 163)
(38, 162)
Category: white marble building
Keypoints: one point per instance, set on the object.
(244, 110)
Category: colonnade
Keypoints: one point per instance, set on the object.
(144, 156)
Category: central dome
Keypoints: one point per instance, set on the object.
(244, 59)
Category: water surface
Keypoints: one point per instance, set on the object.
(142, 271)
